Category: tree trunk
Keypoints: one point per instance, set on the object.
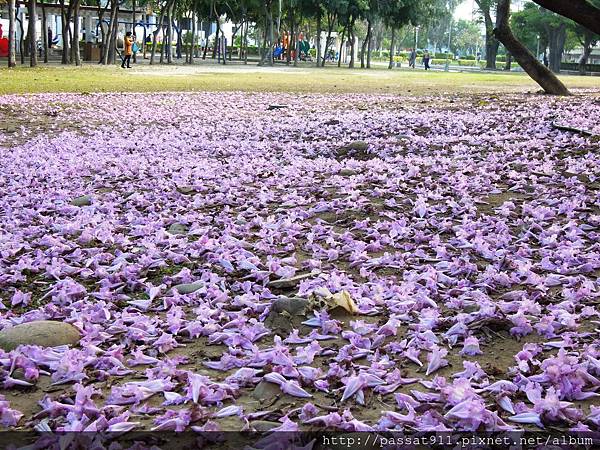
(12, 48)
(581, 11)
(133, 5)
(161, 18)
(271, 36)
(246, 43)
(191, 57)
(588, 45)
(31, 33)
(330, 23)
(216, 45)
(318, 40)
(298, 43)
(491, 43)
(352, 42)
(544, 77)
(21, 43)
(369, 44)
(392, 49)
(75, 53)
(169, 48)
(342, 46)
(65, 15)
(288, 56)
(163, 47)
(363, 47)
(557, 37)
(508, 65)
(112, 50)
(109, 51)
(45, 32)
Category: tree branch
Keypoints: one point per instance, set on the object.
(581, 11)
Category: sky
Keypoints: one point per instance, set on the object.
(464, 10)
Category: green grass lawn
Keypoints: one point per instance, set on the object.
(145, 78)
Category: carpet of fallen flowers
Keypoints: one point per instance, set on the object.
(434, 262)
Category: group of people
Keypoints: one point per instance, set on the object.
(412, 59)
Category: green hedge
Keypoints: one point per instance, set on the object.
(575, 66)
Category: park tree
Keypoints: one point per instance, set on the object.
(552, 29)
(588, 39)
(486, 8)
(534, 68)
(12, 48)
(32, 12)
(396, 14)
(333, 10)
(467, 37)
(584, 12)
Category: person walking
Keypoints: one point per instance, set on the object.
(412, 59)
(426, 59)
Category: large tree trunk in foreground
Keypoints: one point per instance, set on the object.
(31, 32)
(581, 11)
(12, 48)
(544, 77)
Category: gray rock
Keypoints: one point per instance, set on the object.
(188, 288)
(45, 333)
(186, 190)
(272, 107)
(287, 283)
(286, 313)
(358, 146)
(294, 306)
(84, 200)
(347, 172)
(265, 391)
(177, 228)
(263, 425)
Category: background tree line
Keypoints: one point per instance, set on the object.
(549, 25)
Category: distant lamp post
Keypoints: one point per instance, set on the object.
(537, 55)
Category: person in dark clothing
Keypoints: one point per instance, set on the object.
(412, 59)
(426, 59)
(49, 37)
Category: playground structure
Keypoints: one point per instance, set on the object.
(145, 22)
